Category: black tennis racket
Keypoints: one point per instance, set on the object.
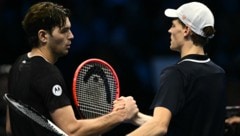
(32, 114)
(95, 87)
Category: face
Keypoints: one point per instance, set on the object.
(177, 32)
(60, 40)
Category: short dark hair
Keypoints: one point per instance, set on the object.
(43, 15)
(200, 40)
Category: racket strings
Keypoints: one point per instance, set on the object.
(96, 94)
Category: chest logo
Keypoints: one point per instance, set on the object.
(57, 90)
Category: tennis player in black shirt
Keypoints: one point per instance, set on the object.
(190, 100)
(37, 82)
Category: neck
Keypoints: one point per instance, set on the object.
(191, 49)
(43, 53)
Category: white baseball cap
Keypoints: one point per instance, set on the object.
(193, 14)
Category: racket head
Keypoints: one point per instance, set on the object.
(95, 87)
(32, 114)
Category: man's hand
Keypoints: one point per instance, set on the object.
(127, 106)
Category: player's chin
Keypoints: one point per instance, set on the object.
(172, 47)
(64, 53)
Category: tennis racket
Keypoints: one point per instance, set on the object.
(32, 114)
(95, 87)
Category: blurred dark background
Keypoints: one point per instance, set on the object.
(132, 36)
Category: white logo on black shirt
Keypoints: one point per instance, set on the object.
(57, 90)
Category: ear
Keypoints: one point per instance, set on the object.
(42, 36)
(187, 31)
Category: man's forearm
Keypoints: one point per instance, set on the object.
(141, 119)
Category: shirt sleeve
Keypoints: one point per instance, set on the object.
(52, 89)
(170, 92)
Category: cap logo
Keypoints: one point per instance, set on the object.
(57, 90)
(183, 17)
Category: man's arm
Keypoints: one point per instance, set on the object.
(155, 126)
(8, 124)
(65, 119)
(233, 120)
(140, 119)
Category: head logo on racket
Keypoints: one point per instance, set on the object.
(98, 75)
(95, 87)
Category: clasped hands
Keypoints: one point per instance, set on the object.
(127, 108)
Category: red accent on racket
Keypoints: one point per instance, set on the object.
(95, 87)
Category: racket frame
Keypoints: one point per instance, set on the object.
(79, 68)
(50, 125)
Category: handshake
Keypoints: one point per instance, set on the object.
(127, 111)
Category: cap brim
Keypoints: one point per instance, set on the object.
(171, 13)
